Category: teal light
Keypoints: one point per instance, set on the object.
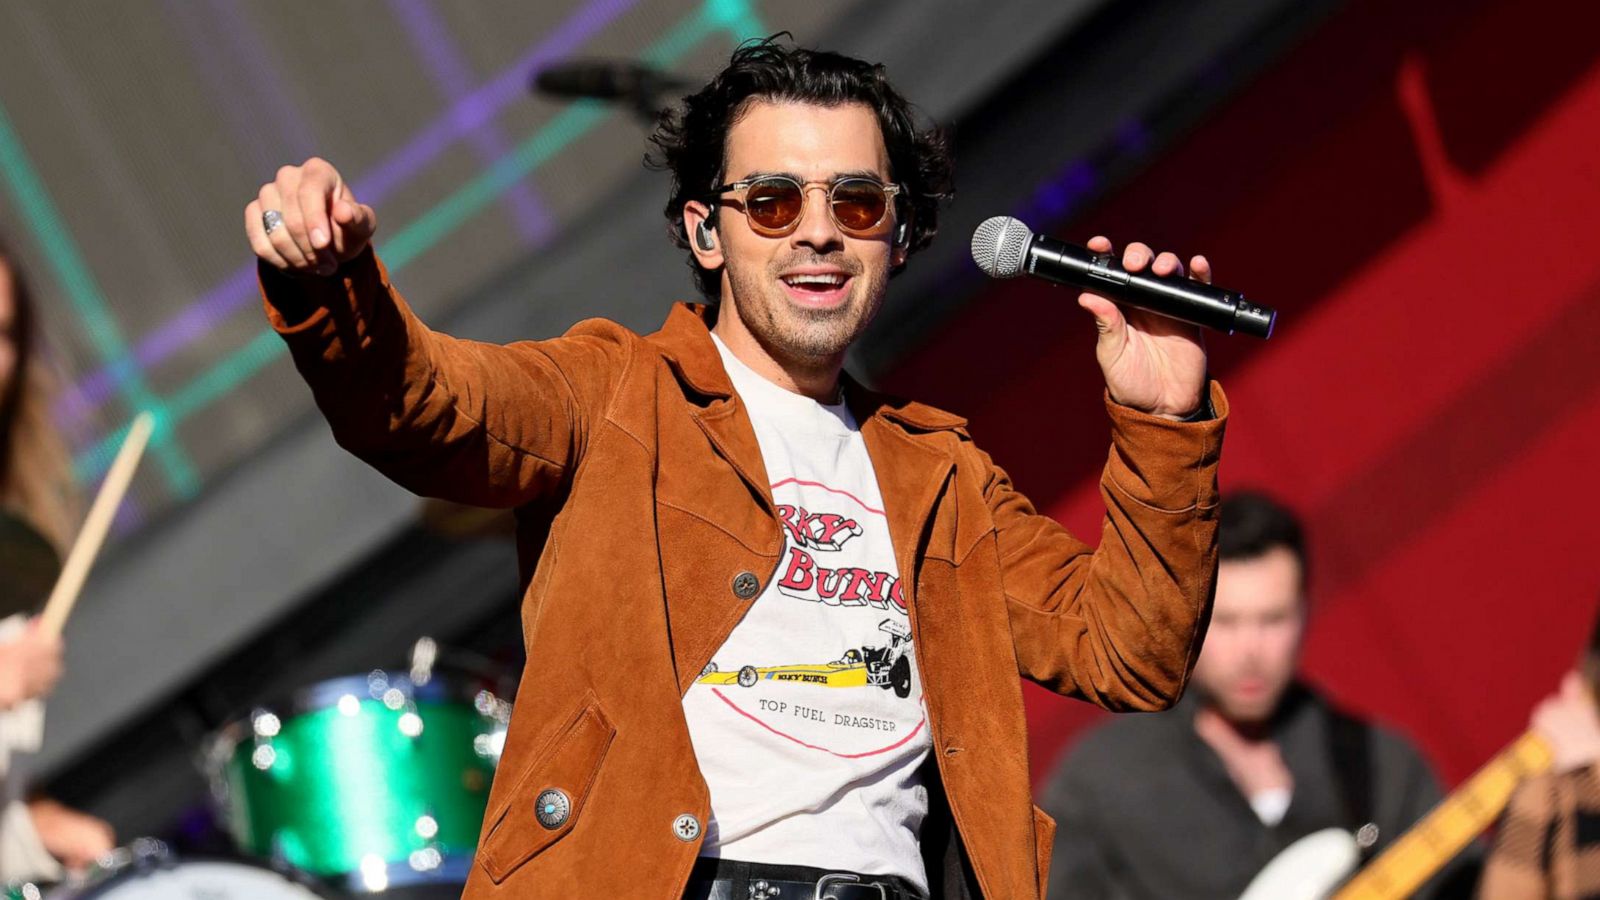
(219, 380)
(434, 225)
(211, 386)
(680, 39)
(735, 18)
(89, 303)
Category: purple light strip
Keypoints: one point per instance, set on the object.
(478, 108)
(450, 72)
(238, 289)
(218, 78)
(269, 92)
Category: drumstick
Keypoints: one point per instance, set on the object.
(95, 526)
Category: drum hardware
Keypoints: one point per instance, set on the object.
(147, 869)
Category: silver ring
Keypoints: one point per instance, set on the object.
(271, 219)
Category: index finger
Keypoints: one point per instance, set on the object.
(319, 185)
(353, 218)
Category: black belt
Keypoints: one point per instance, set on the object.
(727, 879)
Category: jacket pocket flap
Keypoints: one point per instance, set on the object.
(559, 777)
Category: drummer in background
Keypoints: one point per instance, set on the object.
(37, 836)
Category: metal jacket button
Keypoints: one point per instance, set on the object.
(686, 827)
(552, 808)
(746, 585)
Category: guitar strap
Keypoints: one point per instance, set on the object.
(1350, 751)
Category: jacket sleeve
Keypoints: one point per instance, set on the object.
(466, 421)
(1120, 625)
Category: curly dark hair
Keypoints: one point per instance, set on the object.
(691, 143)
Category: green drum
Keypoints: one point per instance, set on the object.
(372, 780)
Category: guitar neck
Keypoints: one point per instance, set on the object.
(1464, 815)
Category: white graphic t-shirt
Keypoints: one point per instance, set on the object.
(808, 723)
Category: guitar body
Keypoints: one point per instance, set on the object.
(1321, 865)
(1309, 869)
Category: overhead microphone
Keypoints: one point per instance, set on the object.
(645, 89)
(1004, 247)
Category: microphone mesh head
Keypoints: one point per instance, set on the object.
(999, 246)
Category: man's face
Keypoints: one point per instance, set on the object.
(771, 283)
(1253, 643)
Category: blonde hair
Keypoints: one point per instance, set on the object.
(35, 467)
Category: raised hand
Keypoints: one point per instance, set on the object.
(1151, 363)
(306, 221)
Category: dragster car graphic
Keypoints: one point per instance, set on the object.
(885, 667)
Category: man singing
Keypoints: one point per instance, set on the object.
(777, 618)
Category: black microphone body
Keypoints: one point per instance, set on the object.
(1176, 297)
(597, 80)
(1180, 298)
(645, 89)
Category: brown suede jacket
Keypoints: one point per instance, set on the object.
(641, 498)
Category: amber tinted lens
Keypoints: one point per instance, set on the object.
(773, 203)
(859, 204)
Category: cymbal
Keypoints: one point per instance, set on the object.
(28, 566)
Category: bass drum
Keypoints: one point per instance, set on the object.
(376, 783)
(146, 870)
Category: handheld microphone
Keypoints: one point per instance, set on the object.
(1004, 247)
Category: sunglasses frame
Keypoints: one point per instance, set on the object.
(890, 192)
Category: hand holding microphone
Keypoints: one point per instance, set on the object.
(1151, 352)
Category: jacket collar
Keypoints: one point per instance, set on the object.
(685, 341)
(910, 452)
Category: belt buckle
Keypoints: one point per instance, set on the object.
(823, 882)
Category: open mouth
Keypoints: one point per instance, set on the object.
(817, 289)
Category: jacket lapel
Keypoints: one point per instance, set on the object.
(714, 503)
(686, 340)
(912, 456)
(727, 426)
(909, 453)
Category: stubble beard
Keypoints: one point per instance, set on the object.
(795, 335)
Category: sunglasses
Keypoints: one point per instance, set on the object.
(774, 203)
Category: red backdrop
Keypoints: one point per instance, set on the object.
(1417, 189)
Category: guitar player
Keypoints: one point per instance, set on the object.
(1193, 802)
(1548, 843)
